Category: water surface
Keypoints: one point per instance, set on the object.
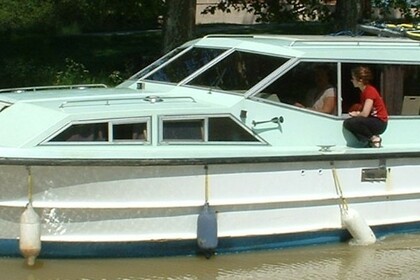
(395, 257)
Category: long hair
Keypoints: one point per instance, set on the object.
(362, 74)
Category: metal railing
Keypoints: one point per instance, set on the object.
(39, 88)
(125, 101)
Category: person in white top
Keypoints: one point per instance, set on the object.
(326, 96)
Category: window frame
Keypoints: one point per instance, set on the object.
(380, 84)
(110, 124)
(205, 140)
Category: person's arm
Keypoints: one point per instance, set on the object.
(300, 105)
(367, 108)
(329, 105)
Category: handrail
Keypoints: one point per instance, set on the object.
(330, 40)
(117, 101)
(37, 88)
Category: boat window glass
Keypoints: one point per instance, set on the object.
(226, 129)
(83, 132)
(129, 132)
(398, 84)
(157, 63)
(238, 72)
(121, 131)
(184, 65)
(305, 85)
(3, 106)
(212, 129)
(183, 130)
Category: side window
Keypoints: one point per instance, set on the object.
(399, 86)
(183, 130)
(129, 132)
(83, 133)
(205, 130)
(226, 129)
(112, 131)
(3, 105)
(411, 99)
(310, 85)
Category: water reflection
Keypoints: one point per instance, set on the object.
(392, 258)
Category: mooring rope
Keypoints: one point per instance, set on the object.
(206, 183)
(343, 205)
(30, 184)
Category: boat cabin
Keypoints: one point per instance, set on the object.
(223, 89)
(283, 69)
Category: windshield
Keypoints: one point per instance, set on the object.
(239, 71)
(184, 65)
(157, 63)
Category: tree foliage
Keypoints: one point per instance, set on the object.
(281, 11)
(274, 10)
(36, 54)
(409, 9)
(24, 14)
(79, 15)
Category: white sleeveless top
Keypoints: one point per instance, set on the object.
(329, 92)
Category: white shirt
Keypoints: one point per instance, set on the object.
(329, 92)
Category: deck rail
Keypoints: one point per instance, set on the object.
(330, 40)
(62, 87)
(124, 101)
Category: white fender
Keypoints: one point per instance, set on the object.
(30, 234)
(358, 228)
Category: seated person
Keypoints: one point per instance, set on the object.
(325, 93)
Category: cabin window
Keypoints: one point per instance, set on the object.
(223, 129)
(3, 105)
(129, 132)
(307, 85)
(238, 72)
(83, 132)
(209, 130)
(112, 131)
(399, 86)
(184, 65)
(183, 130)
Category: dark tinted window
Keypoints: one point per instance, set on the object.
(84, 132)
(226, 129)
(130, 131)
(215, 129)
(187, 130)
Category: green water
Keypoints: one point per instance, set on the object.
(396, 257)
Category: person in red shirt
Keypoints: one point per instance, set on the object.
(366, 125)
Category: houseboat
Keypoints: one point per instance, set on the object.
(206, 151)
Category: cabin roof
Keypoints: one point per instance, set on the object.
(322, 46)
(39, 114)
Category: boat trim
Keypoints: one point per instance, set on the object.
(38, 88)
(327, 156)
(158, 209)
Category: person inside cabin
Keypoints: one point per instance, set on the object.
(371, 121)
(324, 94)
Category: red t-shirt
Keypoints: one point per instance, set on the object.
(378, 109)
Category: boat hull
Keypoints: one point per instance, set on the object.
(105, 210)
